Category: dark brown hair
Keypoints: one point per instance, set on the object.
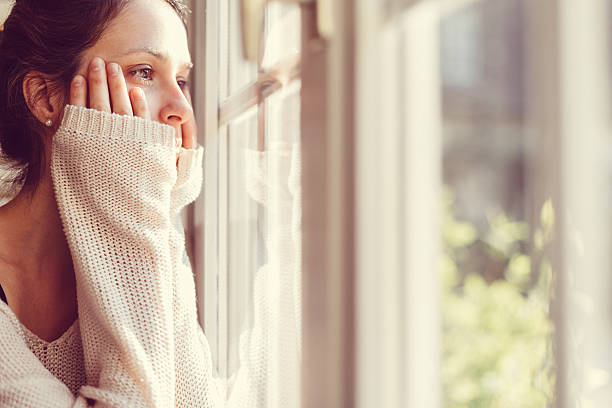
(48, 37)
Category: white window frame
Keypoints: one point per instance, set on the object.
(204, 213)
(571, 101)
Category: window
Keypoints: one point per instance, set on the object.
(492, 119)
(455, 182)
(249, 246)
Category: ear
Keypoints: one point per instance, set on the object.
(40, 97)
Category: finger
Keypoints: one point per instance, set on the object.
(189, 129)
(78, 91)
(139, 103)
(190, 132)
(178, 136)
(120, 100)
(98, 86)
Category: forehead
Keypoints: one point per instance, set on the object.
(144, 24)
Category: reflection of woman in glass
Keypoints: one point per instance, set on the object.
(98, 297)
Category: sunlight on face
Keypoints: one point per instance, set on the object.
(149, 41)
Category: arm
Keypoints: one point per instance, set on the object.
(113, 176)
(191, 358)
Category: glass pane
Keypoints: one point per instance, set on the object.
(262, 278)
(244, 243)
(240, 73)
(282, 282)
(283, 33)
(497, 338)
(282, 41)
(264, 263)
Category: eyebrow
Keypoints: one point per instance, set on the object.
(155, 53)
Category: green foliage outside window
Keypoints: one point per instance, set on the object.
(497, 338)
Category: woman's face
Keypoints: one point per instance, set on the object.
(148, 40)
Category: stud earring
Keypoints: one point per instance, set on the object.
(49, 123)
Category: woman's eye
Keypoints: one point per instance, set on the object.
(144, 74)
(182, 83)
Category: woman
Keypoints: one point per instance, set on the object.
(99, 297)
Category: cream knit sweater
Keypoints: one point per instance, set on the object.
(137, 342)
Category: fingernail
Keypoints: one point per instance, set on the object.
(97, 64)
(77, 81)
(114, 68)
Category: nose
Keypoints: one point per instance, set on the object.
(177, 109)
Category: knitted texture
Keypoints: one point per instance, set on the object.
(137, 343)
(53, 355)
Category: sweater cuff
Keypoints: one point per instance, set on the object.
(189, 181)
(189, 160)
(79, 121)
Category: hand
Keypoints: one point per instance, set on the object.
(106, 84)
(189, 129)
(106, 88)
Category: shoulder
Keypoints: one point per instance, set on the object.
(9, 324)
(16, 358)
(12, 339)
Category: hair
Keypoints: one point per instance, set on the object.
(48, 38)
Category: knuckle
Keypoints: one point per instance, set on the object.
(115, 80)
(112, 73)
(97, 80)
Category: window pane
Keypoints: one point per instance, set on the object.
(260, 239)
(239, 72)
(497, 338)
(283, 278)
(283, 118)
(282, 40)
(264, 279)
(283, 33)
(244, 243)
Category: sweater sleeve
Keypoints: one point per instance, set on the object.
(113, 178)
(195, 386)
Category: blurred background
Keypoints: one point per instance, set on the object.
(407, 202)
